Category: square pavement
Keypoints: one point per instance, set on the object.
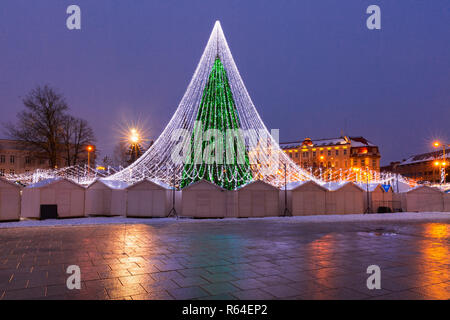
(227, 259)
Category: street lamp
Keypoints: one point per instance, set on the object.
(437, 144)
(89, 150)
(134, 139)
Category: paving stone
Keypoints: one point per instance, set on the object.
(223, 259)
(219, 288)
(188, 293)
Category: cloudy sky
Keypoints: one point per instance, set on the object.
(312, 67)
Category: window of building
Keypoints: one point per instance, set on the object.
(2, 158)
(329, 153)
(374, 163)
(28, 160)
(363, 163)
(321, 151)
(314, 154)
(12, 159)
(345, 152)
(355, 162)
(337, 152)
(2, 172)
(345, 163)
(305, 154)
(329, 164)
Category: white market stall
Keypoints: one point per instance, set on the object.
(58, 196)
(424, 199)
(9, 201)
(106, 198)
(148, 198)
(345, 198)
(447, 201)
(380, 197)
(258, 199)
(308, 198)
(203, 199)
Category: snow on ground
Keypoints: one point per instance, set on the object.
(399, 217)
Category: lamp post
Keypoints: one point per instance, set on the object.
(437, 144)
(134, 139)
(89, 149)
(368, 209)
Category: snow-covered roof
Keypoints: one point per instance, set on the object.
(114, 184)
(294, 184)
(43, 183)
(253, 182)
(402, 187)
(160, 183)
(49, 181)
(10, 182)
(332, 186)
(424, 157)
(371, 186)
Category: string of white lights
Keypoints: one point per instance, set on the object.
(268, 160)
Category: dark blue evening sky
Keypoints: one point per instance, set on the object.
(311, 67)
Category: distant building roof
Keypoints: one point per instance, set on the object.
(354, 141)
(429, 156)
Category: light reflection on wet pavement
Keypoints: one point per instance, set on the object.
(227, 259)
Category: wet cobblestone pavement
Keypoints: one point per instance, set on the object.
(227, 259)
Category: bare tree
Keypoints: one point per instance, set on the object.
(121, 155)
(76, 134)
(46, 127)
(39, 124)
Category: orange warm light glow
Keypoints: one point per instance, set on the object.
(436, 144)
(90, 148)
(436, 163)
(134, 136)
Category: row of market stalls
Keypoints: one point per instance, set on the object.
(61, 198)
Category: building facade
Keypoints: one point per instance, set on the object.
(422, 167)
(343, 153)
(17, 158)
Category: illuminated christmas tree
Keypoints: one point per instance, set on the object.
(217, 111)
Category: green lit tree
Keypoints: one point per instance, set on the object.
(217, 110)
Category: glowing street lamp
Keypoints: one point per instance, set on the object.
(134, 139)
(89, 149)
(437, 144)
